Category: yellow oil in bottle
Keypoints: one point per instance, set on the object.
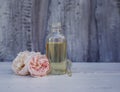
(56, 53)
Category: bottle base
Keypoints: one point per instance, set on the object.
(58, 68)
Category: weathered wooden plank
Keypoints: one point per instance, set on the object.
(40, 16)
(93, 44)
(90, 26)
(4, 26)
(27, 23)
(108, 22)
(16, 28)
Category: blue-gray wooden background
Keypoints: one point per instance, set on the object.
(92, 27)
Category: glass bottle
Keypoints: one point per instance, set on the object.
(56, 50)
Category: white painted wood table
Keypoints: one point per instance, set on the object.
(87, 77)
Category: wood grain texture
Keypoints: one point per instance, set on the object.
(17, 28)
(92, 27)
(108, 23)
(40, 16)
(93, 44)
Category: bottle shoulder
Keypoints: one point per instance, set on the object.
(55, 37)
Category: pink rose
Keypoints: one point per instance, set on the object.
(38, 65)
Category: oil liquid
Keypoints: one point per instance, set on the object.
(56, 53)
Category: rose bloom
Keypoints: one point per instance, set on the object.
(38, 65)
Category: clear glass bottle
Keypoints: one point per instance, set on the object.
(56, 50)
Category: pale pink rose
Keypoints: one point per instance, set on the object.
(38, 65)
(19, 64)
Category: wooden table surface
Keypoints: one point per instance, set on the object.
(86, 77)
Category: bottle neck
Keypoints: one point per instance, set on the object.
(56, 30)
